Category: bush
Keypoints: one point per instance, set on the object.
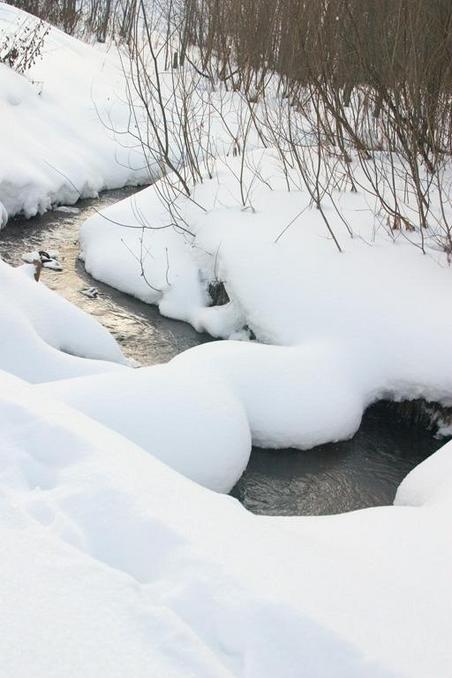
(99, 18)
(21, 49)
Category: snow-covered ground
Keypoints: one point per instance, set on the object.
(42, 335)
(54, 118)
(115, 565)
(116, 560)
(349, 328)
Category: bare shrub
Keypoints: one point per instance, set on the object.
(366, 80)
(98, 18)
(20, 49)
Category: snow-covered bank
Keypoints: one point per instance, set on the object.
(352, 320)
(184, 416)
(53, 133)
(42, 334)
(115, 564)
(200, 412)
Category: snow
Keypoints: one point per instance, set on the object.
(223, 395)
(114, 564)
(114, 254)
(183, 416)
(344, 327)
(53, 135)
(42, 335)
(116, 560)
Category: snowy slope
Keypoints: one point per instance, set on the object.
(52, 131)
(364, 324)
(113, 565)
(41, 334)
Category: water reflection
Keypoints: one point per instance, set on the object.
(143, 333)
(364, 471)
(337, 477)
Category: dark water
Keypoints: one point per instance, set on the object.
(143, 333)
(332, 478)
(338, 477)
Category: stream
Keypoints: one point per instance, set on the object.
(144, 334)
(338, 477)
(332, 478)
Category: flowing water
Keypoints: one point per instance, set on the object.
(142, 332)
(338, 477)
(333, 478)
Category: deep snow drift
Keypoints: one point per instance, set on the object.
(200, 412)
(184, 416)
(351, 320)
(111, 567)
(42, 334)
(114, 564)
(53, 131)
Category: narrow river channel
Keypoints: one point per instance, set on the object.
(333, 478)
(144, 334)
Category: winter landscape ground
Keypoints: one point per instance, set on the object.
(122, 553)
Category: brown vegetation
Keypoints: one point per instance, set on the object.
(94, 17)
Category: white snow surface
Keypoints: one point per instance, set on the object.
(43, 337)
(114, 565)
(184, 416)
(345, 328)
(55, 146)
(223, 396)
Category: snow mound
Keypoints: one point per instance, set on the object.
(186, 418)
(114, 252)
(52, 135)
(354, 316)
(430, 482)
(293, 396)
(112, 561)
(200, 413)
(42, 334)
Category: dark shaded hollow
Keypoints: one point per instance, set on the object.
(345, 476)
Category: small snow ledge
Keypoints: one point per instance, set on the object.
(39, 329)
(429, 483)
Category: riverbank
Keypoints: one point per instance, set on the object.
(362, 472)
(143, 334)
(123, 555)
(63, 122)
